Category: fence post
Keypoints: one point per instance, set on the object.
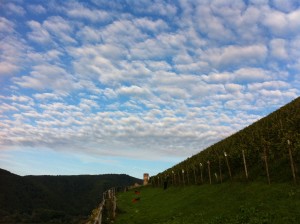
(291, 161)
(266, 164)
(173, 178)
(245, 165)
(208, 165)
(227, 163)
(201, 173)
(183, 177)
(195, 175)
(220, 170)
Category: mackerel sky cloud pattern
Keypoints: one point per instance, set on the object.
(133, 82)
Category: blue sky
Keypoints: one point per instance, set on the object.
(92, 87)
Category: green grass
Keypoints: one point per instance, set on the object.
(222, 203)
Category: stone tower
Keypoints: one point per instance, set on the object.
(146, 178)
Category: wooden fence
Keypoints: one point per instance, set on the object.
(107, 207)
(216, 170)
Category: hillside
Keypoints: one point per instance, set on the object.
(56, 199)
(227, 203)
(250, 177)
(268, 145)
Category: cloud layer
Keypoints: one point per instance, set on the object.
(142, 79)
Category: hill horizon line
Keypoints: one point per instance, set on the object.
(8, 172)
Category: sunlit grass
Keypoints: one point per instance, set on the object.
(222, 203)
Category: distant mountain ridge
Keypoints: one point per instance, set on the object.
(58, 199)
(5, 172)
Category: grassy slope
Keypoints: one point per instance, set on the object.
(223, 203)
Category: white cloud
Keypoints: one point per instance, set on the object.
(38, 9)
(47, 77)
(294, 20)
(285, 6)
(50, 56)
(242, 75)
(268, 85)
(282, 24)
(251, 75)
(6, 107)
(237, 55)
(47, 96)
(23, 99)
(89, 34)
(276, 21)
(158, 65)
(15, 9)
(52, 29)
(161, 79)
(212, 25)
(12, 55)
(60, 28)
(38, 33)
(150, 25)
(87, 104)
(6, 26)
(79, 11)
(170, 92)
(231, 87)
(133, 90)
(123, 32)
(278, 48)
(7, 68)
(276, 95)
(153, 7)
(218, 77)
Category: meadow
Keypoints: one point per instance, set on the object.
(230, 202)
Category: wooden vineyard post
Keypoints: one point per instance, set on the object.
(195, 177)
(227, 163)
(208, 165)
(183, 177)
(173, 178)
(201, 173)
(187, 176)
(291, 161)
(179, 178)
(245, 165)
(266, 164)
(220, 170)
(216, 176)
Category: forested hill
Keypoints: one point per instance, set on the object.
(56, 199)
(268, 145)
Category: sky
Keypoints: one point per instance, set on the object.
(127, 86)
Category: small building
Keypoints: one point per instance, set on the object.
(146, 178)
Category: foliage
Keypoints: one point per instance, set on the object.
(53, 199)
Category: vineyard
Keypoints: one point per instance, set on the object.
(267, 150)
